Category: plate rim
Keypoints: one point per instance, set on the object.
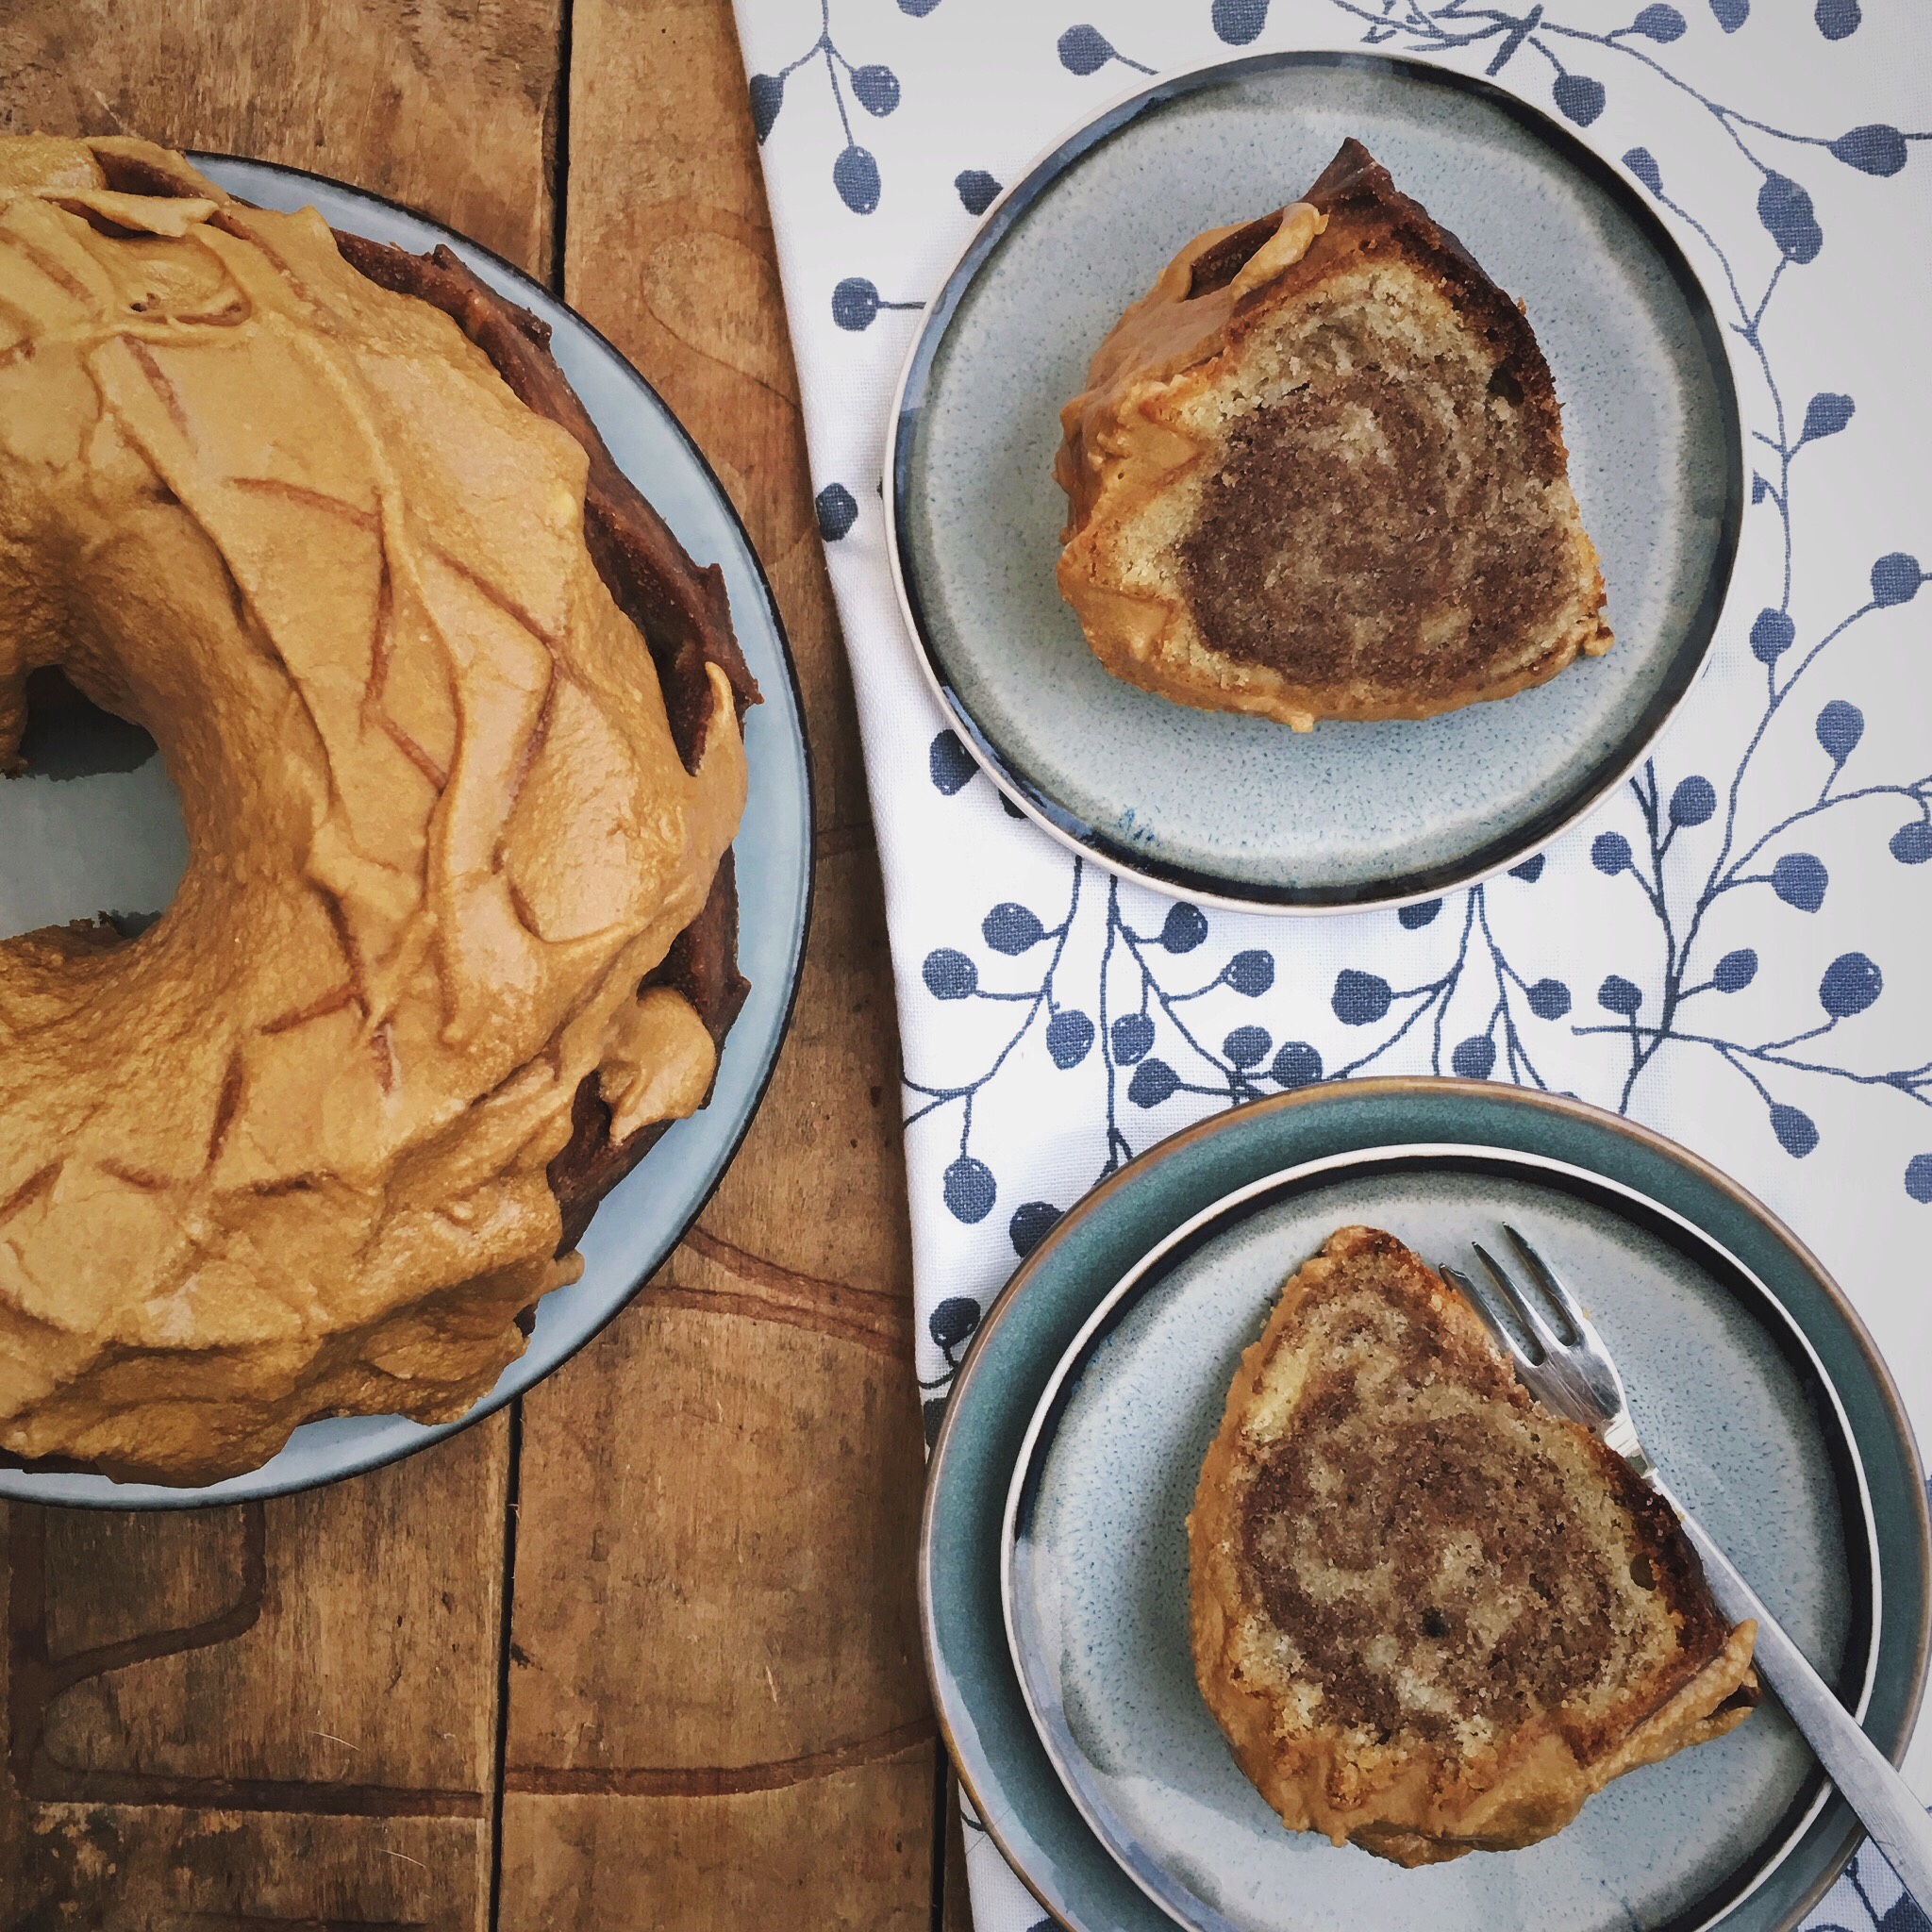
(1494, 855)
(16, 1484)
(1481, 1094)
(1147, 1272)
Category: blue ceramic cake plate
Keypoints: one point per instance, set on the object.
(1724, 1289)
(1729, 1396)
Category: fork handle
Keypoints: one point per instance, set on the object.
(1885, 1803)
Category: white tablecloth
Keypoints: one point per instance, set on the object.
(1737, 949)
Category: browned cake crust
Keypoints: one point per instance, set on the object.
(681, 611)
(1319, 472)
(1430, 1617)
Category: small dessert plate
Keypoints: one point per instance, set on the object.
(1053, 1582)
(95, 826)
(1239, 810)
(1097, 1572)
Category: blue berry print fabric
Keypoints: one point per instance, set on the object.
(1736, 948)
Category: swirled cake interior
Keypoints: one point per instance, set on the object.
(1438, 1560)
(1377, 508)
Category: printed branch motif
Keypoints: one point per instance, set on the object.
(1859, 1888)
(874, 88)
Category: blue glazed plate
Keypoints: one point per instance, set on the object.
(1239, 810)
(1729, 1397)
(1756, 1382)
(109, 836)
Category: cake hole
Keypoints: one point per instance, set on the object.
(1434, 1623)
(68, 737)
(1505, 385)
(92, 828)
(1641, 1574)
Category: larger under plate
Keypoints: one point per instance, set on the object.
(110, 837)
(1241, 809)
(1002, 1764)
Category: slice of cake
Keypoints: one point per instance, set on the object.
(1319, 472)
(1430, 1617)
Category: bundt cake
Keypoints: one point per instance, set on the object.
(1319, 472)
(1430, 1617)
(456, 727)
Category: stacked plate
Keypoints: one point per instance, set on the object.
(1054, 1561)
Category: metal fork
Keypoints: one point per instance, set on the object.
(1565, 1365)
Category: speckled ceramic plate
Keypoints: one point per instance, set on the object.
(1069, 1450)
(1241, 810)
(1728, 1396)
(97, 828)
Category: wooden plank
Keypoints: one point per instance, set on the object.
(285, 1716)
(845, 1851)
(316, 1628)
(716, 1710)
(271, 1712)
(715, 1612)
(445, 105)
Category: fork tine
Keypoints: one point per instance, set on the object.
(1479, 1300)
(1528, 1312)
(1546, 1279)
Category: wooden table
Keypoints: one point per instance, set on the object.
(641, 1653)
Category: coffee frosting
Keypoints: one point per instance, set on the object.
(284, 1153)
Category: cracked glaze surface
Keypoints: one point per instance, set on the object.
(284, 1153)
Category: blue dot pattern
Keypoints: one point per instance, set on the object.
(976, 190)
(836, 510)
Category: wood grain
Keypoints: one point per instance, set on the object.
(282, 1710)
(716, 1710)
(443, 104)
(849, 1850)
(704, 1707)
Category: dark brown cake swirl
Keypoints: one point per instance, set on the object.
(1319, 472)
